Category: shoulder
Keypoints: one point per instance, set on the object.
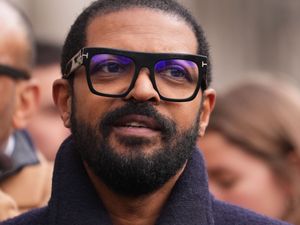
(36, 217)
(8, 207)
(31, 186)
(225, 213)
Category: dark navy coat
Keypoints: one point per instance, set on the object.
(74, 201)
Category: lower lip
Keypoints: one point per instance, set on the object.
(135, 131)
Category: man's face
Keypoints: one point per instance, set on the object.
(135, 144)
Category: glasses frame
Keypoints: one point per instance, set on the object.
(141, 60)
(13, 73)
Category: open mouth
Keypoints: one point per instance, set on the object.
(137, 125)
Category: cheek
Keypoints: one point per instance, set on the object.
(5, 125)
(91, 108)
(85, 105)
(7, 107)
(260, 192)
(184, 114)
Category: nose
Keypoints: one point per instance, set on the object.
(143, 89)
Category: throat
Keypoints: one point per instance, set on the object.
(142, 210)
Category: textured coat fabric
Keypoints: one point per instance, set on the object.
(29, 186)
(74, 200)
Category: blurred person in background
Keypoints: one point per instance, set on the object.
(46, 128)
(252, 148)
(25, 176)
(135, 94)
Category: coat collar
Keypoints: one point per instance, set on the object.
(23, 154)
(74, 199)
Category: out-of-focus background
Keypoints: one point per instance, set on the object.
(245, 36)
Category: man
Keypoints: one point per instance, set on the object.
(45, 127)
(24, 177)
(135, 95)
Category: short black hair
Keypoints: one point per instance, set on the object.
(76, 37)
(47, 53)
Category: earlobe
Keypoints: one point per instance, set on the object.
(27, 101)
(209, 98)
(62, 98)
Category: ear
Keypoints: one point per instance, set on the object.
(27, 102)
(62, 98)
(209, 99)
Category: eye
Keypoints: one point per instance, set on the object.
(108, 67)
(108, 64)
(226, 181)
(176, 70)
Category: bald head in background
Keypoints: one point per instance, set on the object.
(16, 52)
(25, 176)
(16, 38)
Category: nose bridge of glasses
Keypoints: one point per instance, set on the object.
(144, 71)
(143, 87)
(143, 77)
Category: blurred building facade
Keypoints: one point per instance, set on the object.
(245, 36)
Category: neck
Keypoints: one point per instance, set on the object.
(142, 210)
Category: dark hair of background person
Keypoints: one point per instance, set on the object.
(47, 53)
(264, 119)
(77, 35)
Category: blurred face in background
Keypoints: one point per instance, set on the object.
(13, 53)
(240, 178)
(46, 128)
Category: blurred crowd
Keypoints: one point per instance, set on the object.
(30, 126)
(251, 145)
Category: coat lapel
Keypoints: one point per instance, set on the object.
(190, 200)
(74, 199)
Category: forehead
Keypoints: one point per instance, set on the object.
(140, 29)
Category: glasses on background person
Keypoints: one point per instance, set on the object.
(13, 73)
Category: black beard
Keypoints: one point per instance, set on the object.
(133, 174)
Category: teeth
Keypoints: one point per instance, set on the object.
(134, 124)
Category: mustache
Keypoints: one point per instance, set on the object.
(167, 126)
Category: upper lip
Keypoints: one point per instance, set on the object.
(139, 121)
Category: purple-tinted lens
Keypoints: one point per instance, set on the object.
(111, 74)
(110, 65)
(177, 69)
(176, 78)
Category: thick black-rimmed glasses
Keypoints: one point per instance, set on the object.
(113, 72)
(13, 72)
